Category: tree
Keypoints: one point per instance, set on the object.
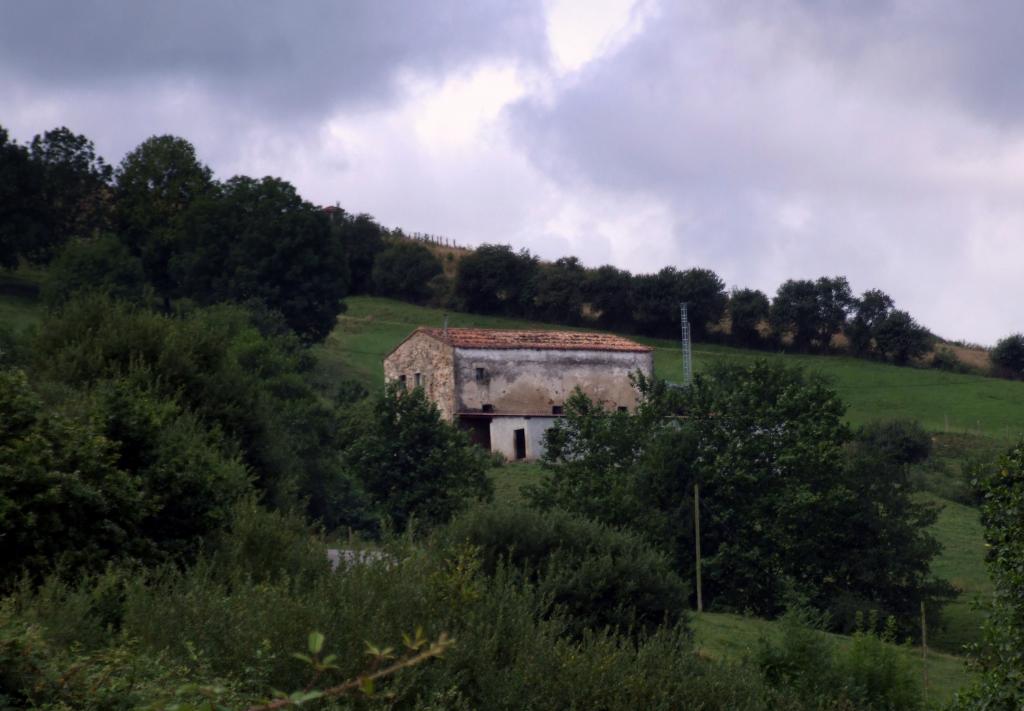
(829, 523)
(795, 311)
(23, 229)
(657, 297)
(259, 240)
(216, 363)
(834, 303)
(901, 338)
(362, 240)
(76, 186)
(748, 309)
(558, 291)
(493, 279)
(155, 184)
(404, 271)
(704, 292)
(104, 265)
(1009, 355)
(1000, 686)
(811, 311)
(410, 462)
(870, 310)
(609, 293)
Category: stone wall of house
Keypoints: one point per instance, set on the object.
(433, 361)
(532, 382)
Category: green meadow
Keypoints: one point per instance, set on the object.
(941, 401)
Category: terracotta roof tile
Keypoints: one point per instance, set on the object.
(534, 340)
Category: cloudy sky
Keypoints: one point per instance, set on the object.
(766, 140)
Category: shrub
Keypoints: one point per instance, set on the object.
(1008, 355)
(594, 575)
(869, 674)
(898, 441)
(62, 495)
(945, 359)
(103, 265)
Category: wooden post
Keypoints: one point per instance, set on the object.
(696, 538)
(924, 653)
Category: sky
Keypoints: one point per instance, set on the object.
(766, 140)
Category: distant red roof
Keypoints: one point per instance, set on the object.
(533, 340)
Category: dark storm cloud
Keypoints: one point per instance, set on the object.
(793, 139)
(274, 58)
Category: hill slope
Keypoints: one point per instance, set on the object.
(940, 401)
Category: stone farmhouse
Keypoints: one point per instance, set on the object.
(507, 387)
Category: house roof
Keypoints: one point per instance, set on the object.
(487, 338)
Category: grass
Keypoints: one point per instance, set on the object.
(19, 298)
(941, 401)
(733, 637)
(510, 479)
(962, 562)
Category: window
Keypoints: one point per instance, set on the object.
(556, 409)
(401, 379)
(623, 408)
(487, 407)
(481, 374)
(418, 379)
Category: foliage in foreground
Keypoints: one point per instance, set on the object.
(228, 628)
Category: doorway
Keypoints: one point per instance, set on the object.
(520, 443)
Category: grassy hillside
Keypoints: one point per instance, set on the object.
(939, 400)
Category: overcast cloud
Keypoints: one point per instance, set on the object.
(765, 140)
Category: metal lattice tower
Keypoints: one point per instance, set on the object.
(684, 322)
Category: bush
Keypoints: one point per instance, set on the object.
(214, 624)
(898, 441)
(594, 575)
(945, 359)
(1008, 355)
(868, 674)
(102, 265)
(63, 497)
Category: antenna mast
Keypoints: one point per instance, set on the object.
(684, 322)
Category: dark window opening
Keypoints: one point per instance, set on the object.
(623, 408)
(556, 409)
(520, 442)
(488, 407)
(401, 379)
(418, 379)
(481, 374)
